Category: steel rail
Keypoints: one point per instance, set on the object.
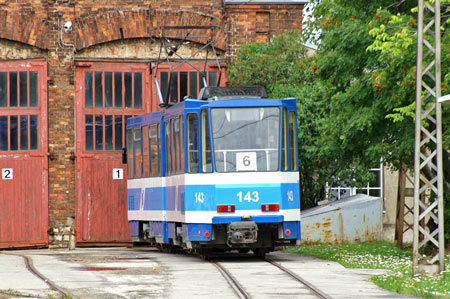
(30, 267)
(310, 286)
(239, 290)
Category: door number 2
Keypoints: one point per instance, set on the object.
(7, 173)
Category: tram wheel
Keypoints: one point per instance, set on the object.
(205, 254)
(260, 253)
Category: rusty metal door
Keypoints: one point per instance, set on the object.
(23, 154)
(106, 95)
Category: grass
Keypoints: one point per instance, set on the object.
(7, 294)
(10, 294)
(383, 255)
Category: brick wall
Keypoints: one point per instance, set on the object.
(258, 23)
(33, 29)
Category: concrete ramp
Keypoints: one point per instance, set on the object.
(354, 219)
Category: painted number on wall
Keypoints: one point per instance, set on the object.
(249, 196)
(7, 173)
(117, 173)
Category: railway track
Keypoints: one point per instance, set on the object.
(305, 289)
(30, 267)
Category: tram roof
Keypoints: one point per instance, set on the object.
(191, 105)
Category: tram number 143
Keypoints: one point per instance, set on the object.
(199, 197)
(249, 196)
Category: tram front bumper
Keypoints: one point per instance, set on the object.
(242, 232)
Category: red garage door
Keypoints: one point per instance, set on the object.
(23, 154)
(107, 94)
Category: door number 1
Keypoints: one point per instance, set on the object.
(117, 173)
(7, 173)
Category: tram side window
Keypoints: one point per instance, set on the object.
(181, 143)
(130, 157)
(292, 142)
(284, 150)
(159, 132)
(137, 152)
(192, 142)
(176, 145)
(168, 147)
(206, 143)
(145, 153)
(155, 155)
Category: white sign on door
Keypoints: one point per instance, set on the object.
(7, 173)
(117, 173)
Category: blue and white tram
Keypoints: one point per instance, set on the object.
(215, 175)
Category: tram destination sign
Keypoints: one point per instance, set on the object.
(230, 91)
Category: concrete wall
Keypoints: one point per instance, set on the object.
(354, 219)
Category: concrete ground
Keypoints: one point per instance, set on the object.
(144, 272)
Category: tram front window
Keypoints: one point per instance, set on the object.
(246, 139)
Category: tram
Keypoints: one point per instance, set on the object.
(216, 173)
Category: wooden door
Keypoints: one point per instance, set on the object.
(107, 94)
(23, 154)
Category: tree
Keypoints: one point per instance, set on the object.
(355, 95)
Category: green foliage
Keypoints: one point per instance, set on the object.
(403, 112)
(279, 62)
(395, 38)
(355, 96)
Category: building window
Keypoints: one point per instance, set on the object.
(110, 98)
(262, 27)
(19, 129)
(184, 84)
(113, 89)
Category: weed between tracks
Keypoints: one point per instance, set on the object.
(383, 255)
(11, 294)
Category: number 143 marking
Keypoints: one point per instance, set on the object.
(249, 196)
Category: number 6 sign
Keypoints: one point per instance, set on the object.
(246, 161)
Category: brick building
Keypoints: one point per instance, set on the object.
(71, 72)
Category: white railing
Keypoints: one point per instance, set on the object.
(350, 191)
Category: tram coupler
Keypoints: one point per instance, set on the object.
(242, 232)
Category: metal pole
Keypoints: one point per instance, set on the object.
(440, 165)
(428, 190)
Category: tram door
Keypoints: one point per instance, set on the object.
(23, 154)
(106, 95)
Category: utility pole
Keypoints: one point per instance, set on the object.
(428, 166)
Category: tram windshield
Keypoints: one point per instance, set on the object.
(246, 139)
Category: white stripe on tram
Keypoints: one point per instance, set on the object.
(206, 216)
(216, 179)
